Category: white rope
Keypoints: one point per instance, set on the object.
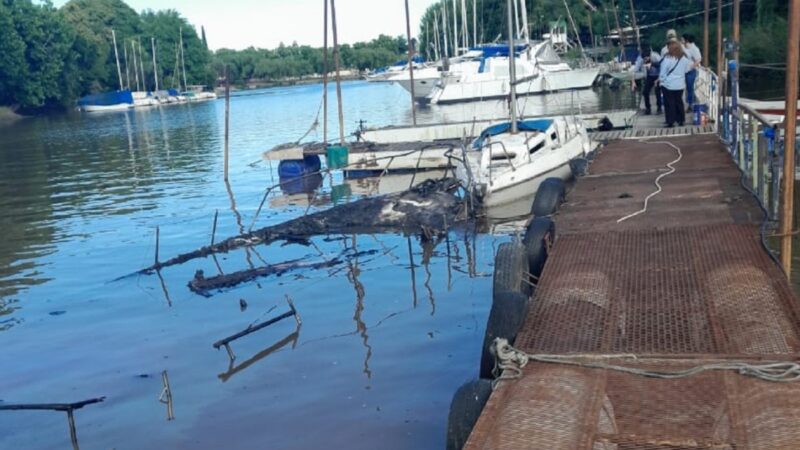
(510, 361)
(658, 179)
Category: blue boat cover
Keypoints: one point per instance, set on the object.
(540, 125)
(107, 98)
(498, 49)
(173, 92)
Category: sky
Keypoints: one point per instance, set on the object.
(239, 24)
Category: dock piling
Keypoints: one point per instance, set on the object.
(227, 116)
(790, 139)
(338, 76)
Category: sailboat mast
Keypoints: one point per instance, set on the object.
(435, 36)
(135, 66)
(116, 55)
(524, 10)
(455, 29)
(183, 61)
(325, 71)
(127, 68)
(635, 26)
(475, 23)
(338, 77)
(411, 66)
(141, 65)
(155, 70)
(512, 69)
(464, 27)
(444, 29)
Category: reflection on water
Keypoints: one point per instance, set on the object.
(387, 336)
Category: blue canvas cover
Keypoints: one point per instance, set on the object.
(498, 49)
(107, 98)
(540, 125)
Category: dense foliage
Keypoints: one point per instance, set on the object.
(49, 56)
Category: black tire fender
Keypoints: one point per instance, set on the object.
(548, 197)
(505, 320)
(465, 408)
(540, 231)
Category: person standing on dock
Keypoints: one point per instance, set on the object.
(649, 62)
(692, 52)
(671, 34)
(672, 78)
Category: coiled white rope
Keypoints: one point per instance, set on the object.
(658, 179)
(510, 361)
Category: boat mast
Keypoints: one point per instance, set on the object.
(475, 23)
(512, 69)
(524, 10)
(636, 27)
(516, 17)
(127, 69)
(455, 29)
(135, 66)
(116, 55)
(338, 78)
(444, 29)
(155, 71)
(141, 65)
(464, 25)
(411, 66)
(325, 71)
(435, 35)
(183, 61)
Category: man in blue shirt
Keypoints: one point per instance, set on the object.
(649, 62)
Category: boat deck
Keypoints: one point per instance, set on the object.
(684, 284)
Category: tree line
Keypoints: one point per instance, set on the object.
(51, 56)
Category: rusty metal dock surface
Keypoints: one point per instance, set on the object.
(683, 284)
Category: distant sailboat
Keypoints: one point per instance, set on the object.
(109, 101)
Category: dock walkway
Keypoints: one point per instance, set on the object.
(683, 284)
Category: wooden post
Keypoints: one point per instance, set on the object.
(338, 76)
(619, 30)
(790, 127)
(720, 66)
(636, 27)
(325, 79)
(227, 117)
(706, 13)
(736, 30)
(411, 66)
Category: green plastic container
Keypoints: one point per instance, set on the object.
(336, 156)
(340, 193)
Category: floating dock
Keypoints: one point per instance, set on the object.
(684, 284)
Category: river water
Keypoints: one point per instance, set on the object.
(385, 340)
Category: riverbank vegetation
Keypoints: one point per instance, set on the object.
(51, 56)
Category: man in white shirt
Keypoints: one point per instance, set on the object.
(693, 53)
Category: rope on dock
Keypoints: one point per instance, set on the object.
(510, 361)
(658, 179)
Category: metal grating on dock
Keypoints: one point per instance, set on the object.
(683, 284)
(639, 133)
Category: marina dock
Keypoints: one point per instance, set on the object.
(685, 284)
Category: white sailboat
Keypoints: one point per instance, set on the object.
(510, 160)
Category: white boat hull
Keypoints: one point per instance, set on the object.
(524, 187)
(107, 108)
(455, 92)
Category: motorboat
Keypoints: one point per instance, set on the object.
(501, 165)
(539, 70)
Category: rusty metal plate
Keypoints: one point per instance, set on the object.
(700, 290)
(556, 407)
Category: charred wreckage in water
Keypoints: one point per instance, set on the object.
(428, 210)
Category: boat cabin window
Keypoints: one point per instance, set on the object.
(537, 147)
(554, 136)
